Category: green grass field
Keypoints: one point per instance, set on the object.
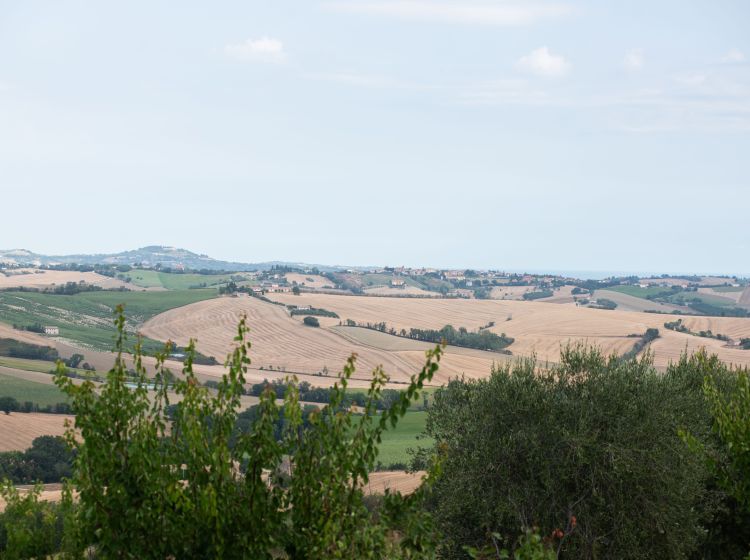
(145, 278)
(396, 441)
(87, 317)
(36, 365)
(678, 297)
(23, 390)
(171, 281)
(639, 292)
(728, 289)
(686, 297)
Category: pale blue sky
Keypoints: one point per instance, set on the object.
(455, 133)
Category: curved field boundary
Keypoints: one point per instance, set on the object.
(392, 343)
(538, 328)
(626, 302)
(284, 343)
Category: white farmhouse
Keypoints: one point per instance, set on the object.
(54, 331)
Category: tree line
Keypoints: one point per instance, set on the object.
(645, 339)
(483, 339)
(49, 459)
(386, 397)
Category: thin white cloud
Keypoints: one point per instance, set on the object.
(734, 55)
(264, 49)
(461, 12)
(544, 63)
(634, 59)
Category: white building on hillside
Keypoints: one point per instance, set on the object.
(54, 331)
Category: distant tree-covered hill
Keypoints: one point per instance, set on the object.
(153, 255)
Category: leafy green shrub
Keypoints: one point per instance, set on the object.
(193, 487)
(311, 322)
(17, 349)
(8, 405)
(646, 338)
(730, 410)
(676, 326)
(483, 339)
(537, 295)
(604, 303)
(29, 528)
(49, 459)
(313, 311)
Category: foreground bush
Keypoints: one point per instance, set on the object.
(30, 528)
(149, 489)
(589, 452)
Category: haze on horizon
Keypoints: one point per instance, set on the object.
(517, 135)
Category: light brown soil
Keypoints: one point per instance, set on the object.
(396, 481)
(18, 430)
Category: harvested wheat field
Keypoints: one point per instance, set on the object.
(626, 302)
(33, 278)
(510, 292)
(283, 342)
(396, 292)
(538, 328)
(309, 280)
(563, 294)
(395, 481)
(20, 429)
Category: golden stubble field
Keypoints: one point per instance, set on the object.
(20, 429)
(34, 278)
(539, 328)
(282, 341)
(309, 280)
(400, 292)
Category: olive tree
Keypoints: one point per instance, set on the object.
(587, 451)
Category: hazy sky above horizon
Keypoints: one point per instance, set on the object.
(550, 135)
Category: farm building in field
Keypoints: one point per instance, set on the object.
(398, 283)
(54, 331)
(275, 288)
